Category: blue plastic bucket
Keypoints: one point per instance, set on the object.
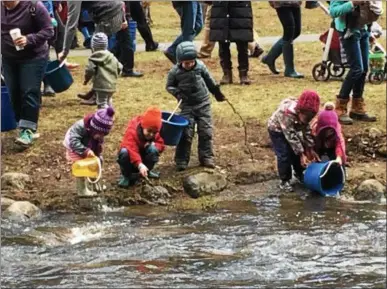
(8, 121)
(132, 33)
(58, 77)
(325, 178)
(172, 130)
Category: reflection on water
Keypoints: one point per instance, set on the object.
(272, 242)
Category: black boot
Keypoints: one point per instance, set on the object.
(288, 53)
(87, 95)
(244, 78)
(227, 77)
(271, 57)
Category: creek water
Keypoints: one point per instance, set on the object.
(272, 242)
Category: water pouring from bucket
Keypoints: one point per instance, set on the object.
(325, 178)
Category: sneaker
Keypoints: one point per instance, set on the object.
(91, 101)
(26, 137)
(286, 186)
(153, 175)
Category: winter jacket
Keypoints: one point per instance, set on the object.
(104, 68)
(50, 8)
(319, 142)
(281, 4)
(36, 26)
(285, 120)
(135, 142)
(231, 21)
(192, 86)
(99, 11)
(78, 138)
(340, 10)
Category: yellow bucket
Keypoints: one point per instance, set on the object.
(87, 168)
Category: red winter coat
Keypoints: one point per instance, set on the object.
(135, 142)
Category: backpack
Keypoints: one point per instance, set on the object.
(52, 40)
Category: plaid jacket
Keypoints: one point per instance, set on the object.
(285, 120)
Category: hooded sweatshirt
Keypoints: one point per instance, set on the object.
(104, 69)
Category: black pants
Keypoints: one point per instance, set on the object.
(225, 55)
(126, 166)
(286, 158)
(138, 15)
(123, 50)
(290, 18)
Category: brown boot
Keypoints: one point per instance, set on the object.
(358, 111)
(87, 95)
(227, 77)
(342, 111)
(244, 79)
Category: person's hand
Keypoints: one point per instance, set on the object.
(90, 154)
(314, 156)
(339, 160)
(62, 56)
(60, 7)
(124, 25)
(355, 3)
(304, 160)
(143, 170)
(220, 97)
(21, 41)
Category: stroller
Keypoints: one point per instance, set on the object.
(334, 62)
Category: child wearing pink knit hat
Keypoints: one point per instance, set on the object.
(291, 135)
(85, 138)
(329, 140)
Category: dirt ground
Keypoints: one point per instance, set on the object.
(53, 187)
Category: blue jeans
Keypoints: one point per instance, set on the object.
(191, 22)
(23, 79)
(356, 48)
(126, 166)
(286, 158)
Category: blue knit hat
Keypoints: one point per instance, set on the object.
(99, 41)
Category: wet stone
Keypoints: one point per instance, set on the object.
(155, 194)
(22, 211)
(91, 203)
(370, 190)
(204, 184)
(14, 180)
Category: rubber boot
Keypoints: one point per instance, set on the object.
(342, 111)
(87, 95)
(82, 189)
(208, 163)
(358, 111)
(243, 77)
(47, 90)
(227, 77)
(270, 58)
(288, 53)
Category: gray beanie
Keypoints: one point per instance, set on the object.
(99, 41)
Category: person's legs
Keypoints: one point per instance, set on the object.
(12, 81)
(103, 99)
(243, 61)
(207, 45)
(225, 62)
(129, 173)
(292, 26)
(183, 149)
(205, 149)
(31, 74)
(358, 110)
(255, 49)
(198, 14)
(284, 161)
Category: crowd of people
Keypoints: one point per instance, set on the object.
(300, 130)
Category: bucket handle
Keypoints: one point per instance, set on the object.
(99, 173)
(62, 63)
(176, 108)
(328, 167)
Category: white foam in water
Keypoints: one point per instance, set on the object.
(107, 209)
(88, 233)
(352, 200)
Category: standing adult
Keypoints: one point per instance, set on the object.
(24, 67)
(356, 48)
(109, 18)
(138, 15)
(289, 13)
(191, 23)
(232, 21)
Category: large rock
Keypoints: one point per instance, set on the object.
(204, 184)
(22, 211)
(155, 194)
(14, 180)
(6, 202)
(370, 190)
(251, 173)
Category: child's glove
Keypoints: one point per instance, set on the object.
(219, 96)
(54, 22)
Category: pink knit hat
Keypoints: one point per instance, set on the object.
(328, 119)
(309, 100)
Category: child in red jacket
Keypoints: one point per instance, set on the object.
(140, 148)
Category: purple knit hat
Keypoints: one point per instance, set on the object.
(328, 119)
(102, 120)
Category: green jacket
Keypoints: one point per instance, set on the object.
(338, 10)
(104, 69)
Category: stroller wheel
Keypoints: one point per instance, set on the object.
(320, 72)
(376, 77)
(336, 70)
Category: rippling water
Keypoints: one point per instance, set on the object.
(275, 242)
